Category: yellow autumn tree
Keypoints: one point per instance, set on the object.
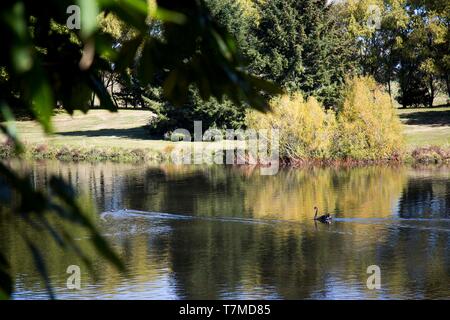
(306, 129)
(367, 126)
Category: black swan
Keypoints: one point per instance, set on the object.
(326, 218)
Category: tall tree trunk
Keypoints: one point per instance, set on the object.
(389, 88)
(447, 81)
(432, 93)
(92, 100)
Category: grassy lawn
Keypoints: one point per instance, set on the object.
(426, 126)
(97, 128)
(126, 129)
(102, 129)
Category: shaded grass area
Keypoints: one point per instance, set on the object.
(435, 118)
(426, 126)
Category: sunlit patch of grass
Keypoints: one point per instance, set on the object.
(426, 126)
(97, 128)
(417, 136)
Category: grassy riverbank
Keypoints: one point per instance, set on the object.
(101, 135)
(96, 136)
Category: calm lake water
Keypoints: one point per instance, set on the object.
(222, 232)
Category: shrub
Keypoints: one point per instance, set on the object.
(41, 151)
(432, 154)
(137, 154)
(64, 154)
(368, 127)
(306, 129)
(213, 114)
(7, 150)
(95, 154)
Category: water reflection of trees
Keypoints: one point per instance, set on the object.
(292, 259)
(427, 194)
(218, 191)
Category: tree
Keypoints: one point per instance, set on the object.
(410, 45)
(302, 45)
(420, 76)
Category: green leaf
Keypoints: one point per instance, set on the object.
(146, 69)
(9, 126)
(132, 12)
(66, 193)
(224, 49)
(89, 12)
(42, 101)
(105, 250)
(41, 267)
(127, 53)
(21, 53)
(6, 286)
(168, 16)
(140, 6)
(22, 59)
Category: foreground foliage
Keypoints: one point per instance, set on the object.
(44, 64)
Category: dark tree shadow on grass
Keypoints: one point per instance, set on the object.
(433, 118)
(141, 133)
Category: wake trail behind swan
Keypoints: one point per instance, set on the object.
(388, 222)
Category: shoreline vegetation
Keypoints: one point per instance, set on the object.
(127, 140)
(418, 155)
